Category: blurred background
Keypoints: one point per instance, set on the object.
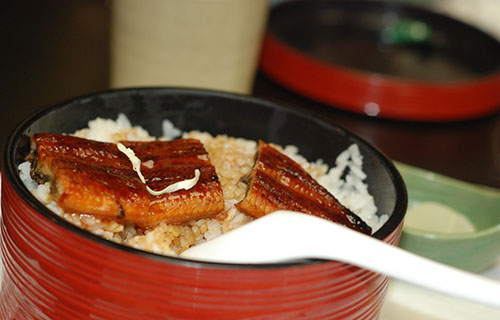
(56, 49)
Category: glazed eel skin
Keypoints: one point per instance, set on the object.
(95, 178)
(276, 182)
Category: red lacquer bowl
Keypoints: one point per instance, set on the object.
(383, 59)
(54, 270)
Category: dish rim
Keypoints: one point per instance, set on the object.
(395, 97)
(11, 173)
(388, 77)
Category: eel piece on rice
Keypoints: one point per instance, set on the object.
(95, 178)
(276, 182)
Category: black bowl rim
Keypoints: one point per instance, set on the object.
(11, 172)
(384, 76)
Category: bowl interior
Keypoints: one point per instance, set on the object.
(478, 204)
(216, 113)
(387, 38)
(473, 250)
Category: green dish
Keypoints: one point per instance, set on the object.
(469, 250)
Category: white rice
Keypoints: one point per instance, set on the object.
(232, 158)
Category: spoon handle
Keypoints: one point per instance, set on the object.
(285, 236)
(397, 263)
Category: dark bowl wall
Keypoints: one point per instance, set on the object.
(56, 270)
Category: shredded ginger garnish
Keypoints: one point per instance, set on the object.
(136, 165)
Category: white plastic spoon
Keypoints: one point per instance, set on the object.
(285, 236)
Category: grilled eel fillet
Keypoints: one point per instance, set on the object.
(90, 177)
(276, 182)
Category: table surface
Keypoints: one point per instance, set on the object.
(53, 50)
